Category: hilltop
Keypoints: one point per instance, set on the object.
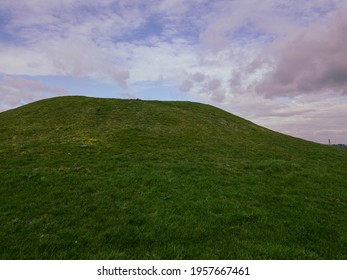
(88, 178)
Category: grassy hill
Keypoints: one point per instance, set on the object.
(85, 178)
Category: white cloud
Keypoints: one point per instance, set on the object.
(65, 57)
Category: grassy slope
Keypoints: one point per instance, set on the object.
(84, 178)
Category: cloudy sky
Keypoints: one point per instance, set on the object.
(279, 63)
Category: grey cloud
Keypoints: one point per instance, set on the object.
(313, 61)
(213, 89)
(198, 77)
(213, 85)
(186, 85)
(218, 96)
(192, 81)
(235, 80)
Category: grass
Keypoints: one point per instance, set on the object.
(84, 178)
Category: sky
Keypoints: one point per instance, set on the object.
(281, 64)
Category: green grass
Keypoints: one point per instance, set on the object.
(84, 178)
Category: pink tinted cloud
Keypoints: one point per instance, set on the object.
(312, 61)
(25, 84)
(193, 80)
(214, 91)
(16, 91)
(213, 85)
(186, 86)
(198, 77)
(204, 86)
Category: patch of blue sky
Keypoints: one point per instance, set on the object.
(152, 28)
(315, 13)
(249, 33)
(5, 35)
(305, 14)
(188, 27)
(158, 28)
(187, 31)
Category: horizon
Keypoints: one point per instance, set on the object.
(282, 66)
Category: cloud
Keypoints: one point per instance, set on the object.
(230, 22)
(313, 117)
(104, 40)
(186, 85)
(312, 61)
(15, 91)
(70, 38)
(317, 119)
(173, 7)
(64, 57)
(274, 64)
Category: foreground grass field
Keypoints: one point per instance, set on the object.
(84, 178)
